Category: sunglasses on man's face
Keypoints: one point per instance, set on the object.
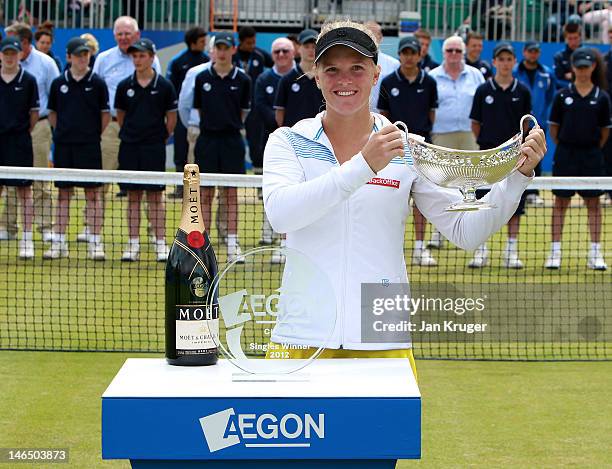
(453, 51)
(280, 51)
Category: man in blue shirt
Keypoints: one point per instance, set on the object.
(193, 55)
(542, 85)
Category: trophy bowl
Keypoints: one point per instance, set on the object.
(467, 170)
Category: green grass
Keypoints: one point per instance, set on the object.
(85, 305)
(475, 414)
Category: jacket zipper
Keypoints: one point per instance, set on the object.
(344, 270)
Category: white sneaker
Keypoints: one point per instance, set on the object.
(534, 200)
(554, 260)
(480, 259)
(26, 249)
(83, 236)
(57, 250)
(436, 241)
(511, 260)
(153, 240)
(47, 236)
(266, 241)
(423, 258)
(6, 236)
(235, 254)
(131, 252)
(596, 260)
(277, 257)
(96, 251)
(162, 251)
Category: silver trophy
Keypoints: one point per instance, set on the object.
(467, 170)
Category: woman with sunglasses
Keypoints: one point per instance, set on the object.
(337, 185)
(456, 82)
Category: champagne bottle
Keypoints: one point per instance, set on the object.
(190, 270)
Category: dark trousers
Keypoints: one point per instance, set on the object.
(181, 146)
(255, 132)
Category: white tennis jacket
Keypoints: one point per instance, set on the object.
(351, 221)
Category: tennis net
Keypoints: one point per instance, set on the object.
(75, 303)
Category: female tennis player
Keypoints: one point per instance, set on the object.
(337, 186)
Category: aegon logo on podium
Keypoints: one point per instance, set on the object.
(226, 428)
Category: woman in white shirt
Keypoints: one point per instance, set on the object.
(338, 187)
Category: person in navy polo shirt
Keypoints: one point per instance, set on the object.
(541, 83)
(411, 96)
(193, 55)
(79, 113)
(498, 106)
(426, 63)
(265, 92)
(222, 94)
(580, 125)
(19, 100)
(146, 106)
(298, 97)
(608, 148)
(562, 59)
(253, 61)
(473, 46)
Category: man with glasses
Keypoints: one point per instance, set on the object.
(298, 96)
(456, 83)
(265, 92)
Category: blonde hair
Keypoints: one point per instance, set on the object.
(327, 27)
(92, 42)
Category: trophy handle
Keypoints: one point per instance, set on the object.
(524, 134)
(402, 126)
(522, 126)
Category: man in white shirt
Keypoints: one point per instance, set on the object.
(387, 64)
(45, 71)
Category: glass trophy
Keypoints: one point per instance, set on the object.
(274, 318)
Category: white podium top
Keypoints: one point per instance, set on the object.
(370, 377)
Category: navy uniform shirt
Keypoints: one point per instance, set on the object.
(562, 64)
(253, 63)
(222, 100)
(20, 96)
(299, 96)
(145, 109)
(78, 105)
(482, 65)
(428, 64)
(499, 111)
(608, 62)
(409, 102)
(265, 93)
(181, 63)
(580, 118)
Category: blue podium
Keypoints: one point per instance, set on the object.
(341, 413)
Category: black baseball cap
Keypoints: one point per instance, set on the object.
(143, 45)
(308, 35)
(409, 42)
(76, 45)
(503, 47)
(10, 43)
(225, 38)
(532, 45)
(349, 37)
(583, 57)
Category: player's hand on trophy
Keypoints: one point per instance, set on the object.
(382, 147)
(532, 150)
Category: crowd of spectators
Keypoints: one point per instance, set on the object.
(218, 91)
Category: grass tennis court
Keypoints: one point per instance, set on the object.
(475, 414)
